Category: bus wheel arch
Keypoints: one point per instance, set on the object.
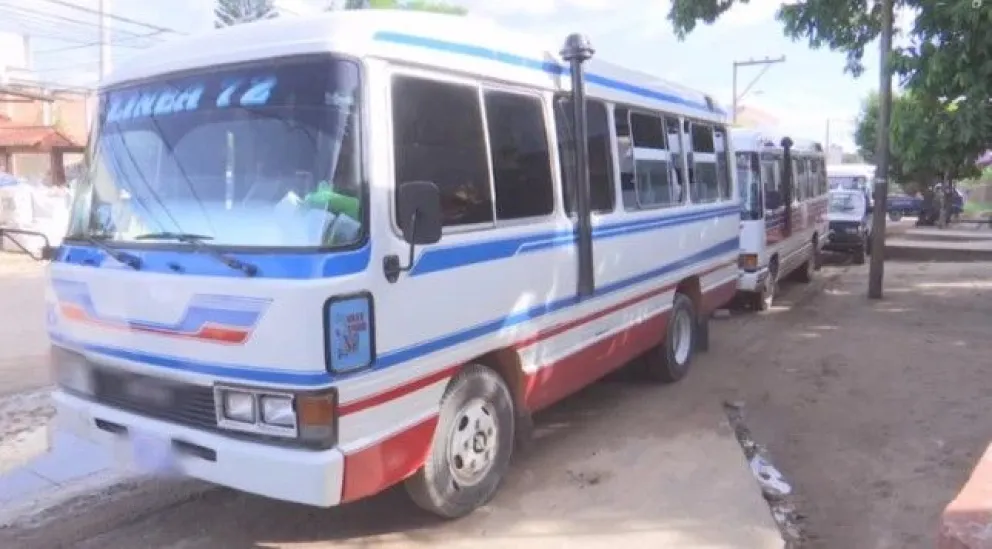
(473, 441)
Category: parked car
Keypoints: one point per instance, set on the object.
(849, 217)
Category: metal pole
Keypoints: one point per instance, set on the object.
(877, 266)
(578, 50)
(766, 62)
(733, 119)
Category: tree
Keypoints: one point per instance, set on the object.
(947, 68)
(434, 6)
(927, 143)
(235, 12)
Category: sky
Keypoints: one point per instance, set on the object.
(806, 92)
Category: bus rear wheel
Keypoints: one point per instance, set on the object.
(669, 362)
(472, 445)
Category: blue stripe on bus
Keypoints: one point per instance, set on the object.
(301, 266)
(549, 67)
(452, 257)
(406, 354)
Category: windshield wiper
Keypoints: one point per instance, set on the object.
(196, 240)
(130, 260)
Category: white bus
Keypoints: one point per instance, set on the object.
(784, 192)
(317, 257)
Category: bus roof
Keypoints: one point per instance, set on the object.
(752, 140)
(463, 44)
(867, 170)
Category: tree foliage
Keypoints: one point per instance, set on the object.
(944, 119)
(235, 12)
(926, 141)
(434, 6)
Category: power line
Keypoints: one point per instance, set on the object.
(40, 17)
(114, 17)
(118, 43)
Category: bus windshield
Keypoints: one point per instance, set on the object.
(844, 202)
(262, 155)
(848, 183)
(749, 181)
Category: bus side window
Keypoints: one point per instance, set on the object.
(625, 157)
(703, 183)
(675, 141)
(518, 145)
(438, 136)
(799, 186)
(771, 177)
(601, 190)
(651, 161)
(723, 163)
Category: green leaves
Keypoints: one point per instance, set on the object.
(944, 119)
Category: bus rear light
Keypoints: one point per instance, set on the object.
(748, 262)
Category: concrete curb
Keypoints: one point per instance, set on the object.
(905, 250)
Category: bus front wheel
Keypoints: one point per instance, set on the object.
(471, 448)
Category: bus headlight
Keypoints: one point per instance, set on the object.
(278, 411)
(238, 406)
(309, 418)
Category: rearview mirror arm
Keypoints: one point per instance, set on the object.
(46, 251)
(391, 263)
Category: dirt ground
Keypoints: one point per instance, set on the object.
(874, 411)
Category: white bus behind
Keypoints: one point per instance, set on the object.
(783, 214)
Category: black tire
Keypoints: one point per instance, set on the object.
(662, 364)
(859, 256)
(763, 300)
(867, 244)
(435, 487)
(807, 270)
(895, 216)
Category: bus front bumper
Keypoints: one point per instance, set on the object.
(752, 281)
(289, 474)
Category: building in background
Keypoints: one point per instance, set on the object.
(42, 130)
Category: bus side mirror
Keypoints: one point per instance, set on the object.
(418, 212)
(418, 208)
(47, 252)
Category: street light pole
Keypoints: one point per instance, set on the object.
(877, 266)
(766, 62)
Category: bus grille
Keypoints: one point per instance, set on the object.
(181, 403)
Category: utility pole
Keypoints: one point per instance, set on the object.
(766, 62)
(104, 9)
(877, 265)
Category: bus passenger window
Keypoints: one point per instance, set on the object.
(724, 180)
(800, 191)
(704, 184)
(601, 193)
(651, 161)
(438, 137)
(518, 144)
(625, 158)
